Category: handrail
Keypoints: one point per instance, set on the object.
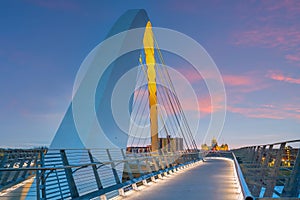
(78, 166)
(273, 166)
(275, 143)
(62, 162)
(245, 190)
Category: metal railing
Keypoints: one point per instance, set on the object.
(16, 158)
(271, 170)
(244, 187)
(90, 173)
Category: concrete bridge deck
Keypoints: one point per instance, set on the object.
(212, 179)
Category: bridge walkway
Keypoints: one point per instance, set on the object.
(212, 179)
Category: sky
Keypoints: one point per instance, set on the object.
(255, 44)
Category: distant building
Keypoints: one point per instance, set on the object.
(167, 144)
(205, 147)
(171, 144)
(214, 142)
(138, 149)
(214, 146)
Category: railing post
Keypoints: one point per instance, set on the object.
(263, 168)
(42, 174)
(255, 154)
(155, 163)
(37, 176)
(127, 167)
(268, 156)
(8, 173)
(138, 165)
(160, 162)
(3, 161)
(292, 187)
(28, 165)
(148, 165)
(113, 167)
(17, 173)
(272, 183)
(97, 178)
(252, 153)
(260, 156)
(69, 174)
(58, 183)
(166, 160)
(38, 164)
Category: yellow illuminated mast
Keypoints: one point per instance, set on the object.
(148, 42)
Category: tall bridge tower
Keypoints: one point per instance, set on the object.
(148, 42)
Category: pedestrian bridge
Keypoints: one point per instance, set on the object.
(89, 157)
(262, 172)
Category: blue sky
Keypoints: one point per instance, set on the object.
(255, 44)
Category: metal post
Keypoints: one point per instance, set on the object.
(28, 166)
(258, 186)
(148, 165)
(272, 183)
(252, 154)
(155, 163)
(8, 173)
(160, 162)
(268, 156)
(292, 187)
(58, 184)
(3, 161)
(43, 180)
(113, 167)
(17, 173)
(166, 160)
(97, 178)
(260, 155)
(255, 155)
(69, 174)
(263, 169)
(138, 165)
(127, 167)
(37, 176)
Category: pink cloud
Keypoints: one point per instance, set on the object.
(245, 83)
(191, 74)
(293, 57)
(237, 80)
(205, 106)
(202, 105)
(289, 5)
(255, 112)
(264, 30)
(269, 37)
(268, 111)
(278, 76)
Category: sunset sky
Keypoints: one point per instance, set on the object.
(255, 44)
